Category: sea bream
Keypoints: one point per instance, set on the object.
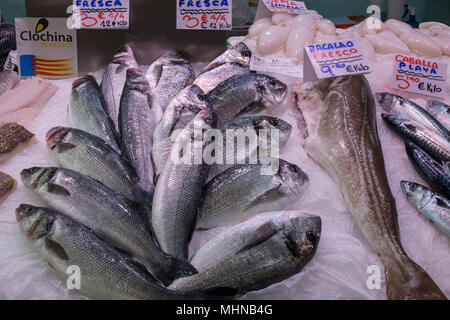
(114, 80)
(440, 111)
(209, 80)
(114, 219)
(168, 75)
(238, 54)
(341, 135)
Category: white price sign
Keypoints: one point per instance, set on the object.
(286, 6)
(204, 14)
(101, 14)
(286, 66)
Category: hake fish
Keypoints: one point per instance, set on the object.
(209, 80)
(179, 190)
(440, 111)
(89, 155)
(437, 146)
(8, 80)
(137, 120)
(180, 111)
(407, 109)
(105, 272)
(6, 184)
(255, 254)
(114, 80)
(432, 205)
(12, 137)
(240, 93)
(117, 221)
(238, 54)
(88, 113)
(243, 191)
(342, 137)
(168, 75)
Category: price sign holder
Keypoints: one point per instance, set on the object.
(204, 15)
(101, 14)
(422, 76)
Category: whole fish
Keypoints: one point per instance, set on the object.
(209, 80)
(168, 75)
(242, 92)
(239, 54)
(88, 113)
(407, 109)
(138, 118)
(179, 189)
(114, 80)
(255, 254)
(432, 205)
(436, 174)
(440, 111)
(12, 137)
(437, 146)
(180, 111)
(89, 155)
(105, 272)
(341, 135)
(243, 191)
(8, 80)
(6, 184)
(117, 221)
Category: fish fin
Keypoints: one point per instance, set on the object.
(63, 147)
(263, 233)
(56, 249)
(442, 203)
(140, 268)
(57, 189)
(178, 269)
(268, 196)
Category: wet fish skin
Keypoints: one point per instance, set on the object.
(116, 220)
(434, 144)
(12, 136)
(179, 190)
(436, 174)
(6, 184)
(180, 111)
(342, 137)
(440, 111)
(168, 75)
(407, 109)
(243, 191)
(255, 254)
(88, 113)
(238, 54)
(114, 80)
(8, 80)
(89, 155)
(239, 93)
(209, 80)
(106, 273)
(434, 206)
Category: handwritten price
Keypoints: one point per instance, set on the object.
(104, 19)
(404, 82)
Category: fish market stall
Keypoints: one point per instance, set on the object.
(110, 184)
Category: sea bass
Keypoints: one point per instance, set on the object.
(88, 113)
(238, 54)
(6, 184)
(12, 138)
(255, 254)
(440, 111)
(243, 191)
(8, 80)
(89, 155)
(137, 120)
(407, 109)
(240, 93)
(119, 222)
(180, 111)
(179, 189)
(168, 75)
(114, 80)
(434, 206)
(209, 80)
(341, 135)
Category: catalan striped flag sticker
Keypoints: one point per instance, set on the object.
(48, 68)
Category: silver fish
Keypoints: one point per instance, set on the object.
(341, 135)
(440, 111)
(245, 190)
(240, 93)
(138, 118)
(179, 189)
(88, 113)
(8, 80)
(114, 80)
(89, 155)
(255, 254)
(434, 206)
(407, 109)
(209, 80)
(180, 111)
(239, 54)
(168, 75)
(119, 222)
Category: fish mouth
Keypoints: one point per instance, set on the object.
(385, 101)
(24, 210)
(55, 136)
(405, 187)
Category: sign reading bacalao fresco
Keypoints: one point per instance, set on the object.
(46, 48)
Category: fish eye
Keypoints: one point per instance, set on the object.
(311, 236)
(273, 82)
(274, 122)
(33, 170)
(295, 169)
(413, 187)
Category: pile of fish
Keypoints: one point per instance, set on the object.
(123, 209)
(427, 138)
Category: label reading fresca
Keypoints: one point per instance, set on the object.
(46, 48)
(420, 76)
(204, 14)
(101, 14)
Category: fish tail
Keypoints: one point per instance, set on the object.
(410, 282)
